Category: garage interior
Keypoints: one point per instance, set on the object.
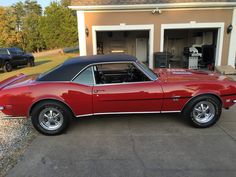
(134, 43)
(190, 48)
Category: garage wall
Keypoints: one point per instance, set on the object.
(167, 16)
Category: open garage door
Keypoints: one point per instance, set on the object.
(136, 40)
(124, 42)
(191, 48)
(184, 42)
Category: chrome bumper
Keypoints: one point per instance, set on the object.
(1, 108)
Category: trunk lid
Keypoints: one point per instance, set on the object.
(18, 80)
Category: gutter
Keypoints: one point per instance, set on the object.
(154, 6)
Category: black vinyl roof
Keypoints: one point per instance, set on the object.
(71, 67)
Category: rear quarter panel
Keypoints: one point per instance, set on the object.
(19, 100)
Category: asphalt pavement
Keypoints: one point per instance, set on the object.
(134, 146)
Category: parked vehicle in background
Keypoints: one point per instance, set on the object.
(13, 57)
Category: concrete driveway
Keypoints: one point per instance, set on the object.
(134, 146)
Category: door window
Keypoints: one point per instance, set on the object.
(118, 73)
(12, 51)
(85, 77)
(19, 51)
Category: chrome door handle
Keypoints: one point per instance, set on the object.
(96, 91)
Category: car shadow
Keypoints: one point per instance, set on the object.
(125, 122)
(37, 63)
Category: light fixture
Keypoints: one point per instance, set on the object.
(87, 31)
(229, 28)
(154, 11)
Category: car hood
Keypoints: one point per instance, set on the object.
(18, 80)
(29, 54)
(177, 75)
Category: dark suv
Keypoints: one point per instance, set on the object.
(13, 57)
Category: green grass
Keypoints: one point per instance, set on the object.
(42, 64)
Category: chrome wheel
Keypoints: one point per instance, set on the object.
(204, 112)
(51, 118)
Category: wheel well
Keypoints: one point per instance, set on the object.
(53, 100)
(206, 94)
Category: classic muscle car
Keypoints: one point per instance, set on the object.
(114, 84)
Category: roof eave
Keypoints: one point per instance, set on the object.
(151, 6)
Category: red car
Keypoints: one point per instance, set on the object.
(114, 84)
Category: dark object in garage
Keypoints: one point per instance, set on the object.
(162, 59)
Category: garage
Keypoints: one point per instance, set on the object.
(135, 40)
(124, 42)
(191, 48)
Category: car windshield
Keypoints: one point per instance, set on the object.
(3, 51)
(147, 70)
(45, 73)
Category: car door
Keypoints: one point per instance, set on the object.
(21, 57)
(80, 93)
(125, 95)
(14, 56)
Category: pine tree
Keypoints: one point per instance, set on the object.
(59, 26)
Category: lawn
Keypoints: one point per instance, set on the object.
(42, 64)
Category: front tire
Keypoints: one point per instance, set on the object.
(203, 111)
(50, 118)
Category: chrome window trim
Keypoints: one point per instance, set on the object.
(118, 62)
(92, 64)
(142, 69)
(123, 83)
(80, 73)
(94, 80)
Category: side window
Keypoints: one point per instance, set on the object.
(85, 77)
(18, 51)
(118, 73)
(12, 51)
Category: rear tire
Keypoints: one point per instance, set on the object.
(7, 67)
(203, 111)
(30, 63)
(50, 117)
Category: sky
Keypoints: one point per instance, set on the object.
(43, 3)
